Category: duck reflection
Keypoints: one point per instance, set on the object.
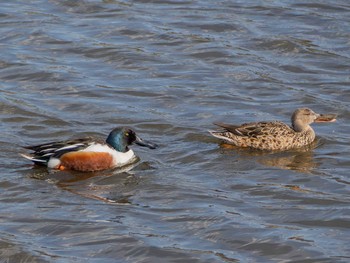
(111, 186)
(300, 160)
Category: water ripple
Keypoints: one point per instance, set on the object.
(169, 69)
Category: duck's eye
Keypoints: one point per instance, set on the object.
(126, 134)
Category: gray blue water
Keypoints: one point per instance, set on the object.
(169, 69)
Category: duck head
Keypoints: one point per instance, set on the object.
(122, 137)
(303, 117)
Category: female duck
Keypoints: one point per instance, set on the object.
(88, 154)
(274, 135)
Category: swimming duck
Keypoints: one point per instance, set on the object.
(88, 154)
(274, 135)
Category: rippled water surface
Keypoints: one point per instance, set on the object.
(169, 69)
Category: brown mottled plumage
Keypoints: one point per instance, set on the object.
(274, 135)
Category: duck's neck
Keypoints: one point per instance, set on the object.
(299, 126)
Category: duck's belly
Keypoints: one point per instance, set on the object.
(272, 143)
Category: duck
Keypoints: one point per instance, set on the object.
(89, 154)
(273, 135)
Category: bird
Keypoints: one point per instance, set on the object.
(89, 154)
(273, 135)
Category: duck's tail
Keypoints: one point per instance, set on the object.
(219, 134)
(33, 159)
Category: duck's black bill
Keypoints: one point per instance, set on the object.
(144, 143)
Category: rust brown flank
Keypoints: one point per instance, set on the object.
(86, 161)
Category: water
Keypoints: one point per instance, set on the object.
(169, 69)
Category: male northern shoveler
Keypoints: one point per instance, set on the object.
(274, 135)
(89, 154)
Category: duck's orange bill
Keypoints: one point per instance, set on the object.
(326, 118)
